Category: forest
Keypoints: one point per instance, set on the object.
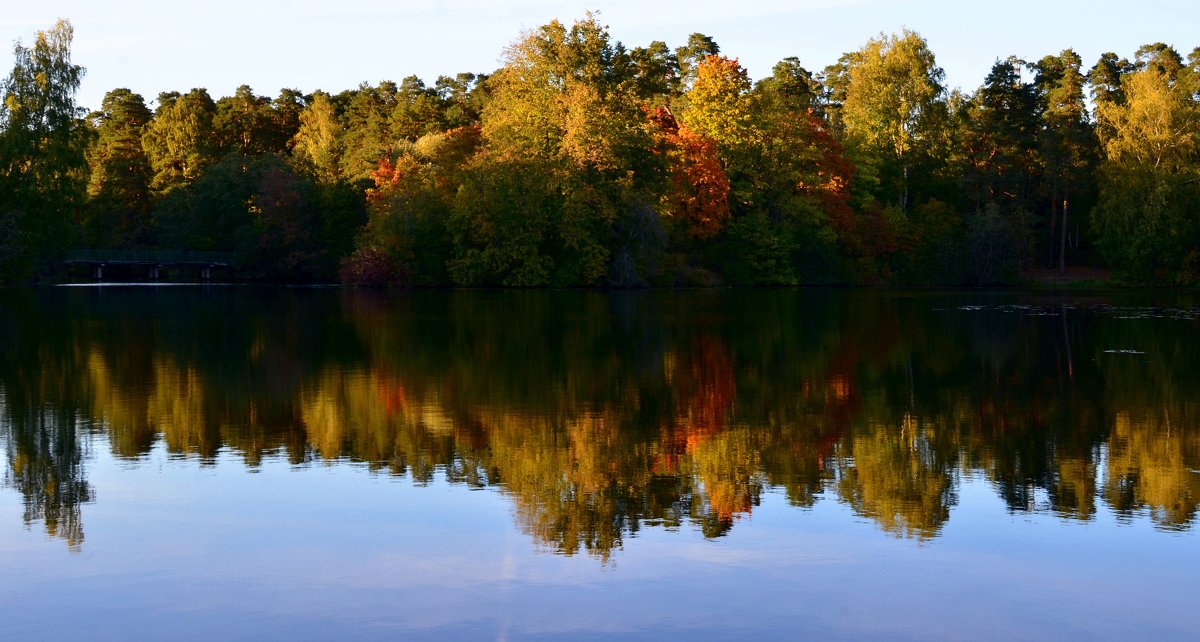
(581, 162)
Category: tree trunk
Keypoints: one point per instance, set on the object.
(1053, 220)
(1062, 248)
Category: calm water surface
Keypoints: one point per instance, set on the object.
(191, 462)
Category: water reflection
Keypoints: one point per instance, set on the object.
(45, 465)
(601, 414)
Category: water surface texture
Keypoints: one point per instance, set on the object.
(240, 462)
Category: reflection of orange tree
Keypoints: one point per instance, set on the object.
(582, 480)
(704, 390)
(725, 465)
(729, 470)
(595, 478)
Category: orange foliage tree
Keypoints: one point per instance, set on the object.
(699, 185)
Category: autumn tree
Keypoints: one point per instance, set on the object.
(317, 144)
(567, 93)
(406, 240)
(564, 107)
(780, 165)
(1151, 175)
(700, 185)
(893, 110)
(718, 106)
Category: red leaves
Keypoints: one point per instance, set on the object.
(834, 174)
(434, 158)
(704, 389)
(700, 186)
(389, 175)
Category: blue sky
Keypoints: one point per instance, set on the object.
(152, 45)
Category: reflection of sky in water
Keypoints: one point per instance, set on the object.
(863, 464)
(323, 550)
(178, 549)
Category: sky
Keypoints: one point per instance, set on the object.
(151, 46)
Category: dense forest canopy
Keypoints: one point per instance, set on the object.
(584, 162)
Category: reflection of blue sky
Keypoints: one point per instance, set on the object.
(310, 44)
(178, 550)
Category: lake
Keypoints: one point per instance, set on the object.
(191, 462)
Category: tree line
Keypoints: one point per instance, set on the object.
(581, 162)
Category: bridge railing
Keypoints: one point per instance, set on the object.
(148, 257)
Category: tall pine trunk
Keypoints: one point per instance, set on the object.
(1053, 219)
(1062, 248)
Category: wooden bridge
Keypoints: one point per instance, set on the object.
(153, 260)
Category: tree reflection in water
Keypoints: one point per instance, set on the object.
(601, 414)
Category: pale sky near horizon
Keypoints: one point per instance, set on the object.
(151, 45)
